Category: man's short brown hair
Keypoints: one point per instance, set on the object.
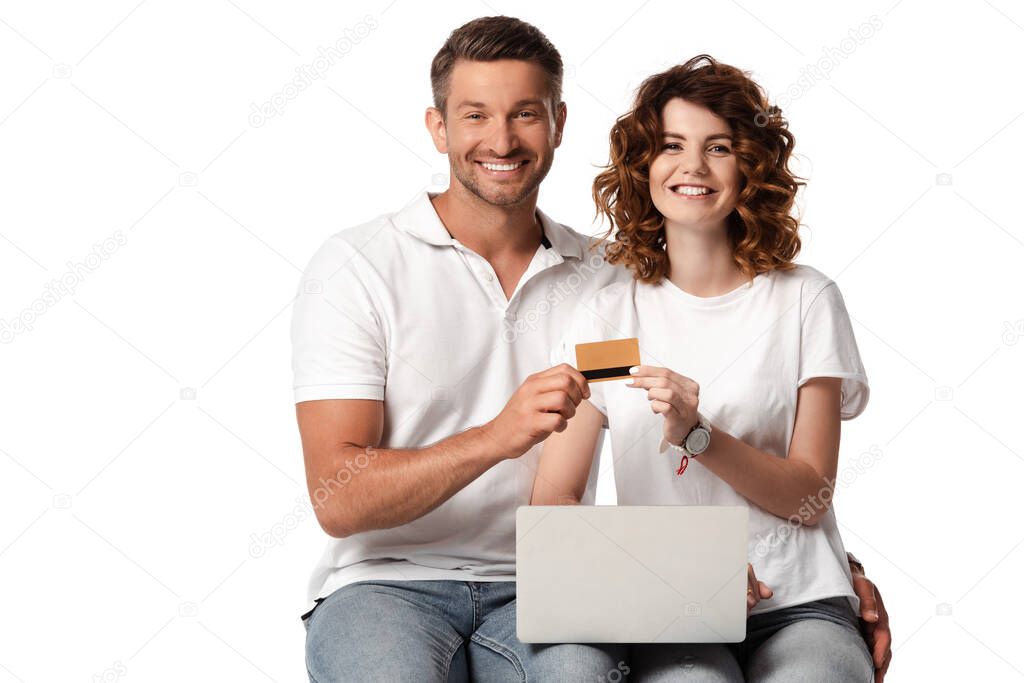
(489, 39)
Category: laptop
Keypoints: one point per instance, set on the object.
(631, 574)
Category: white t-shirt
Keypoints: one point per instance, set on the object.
(749, 351)
(396, 310)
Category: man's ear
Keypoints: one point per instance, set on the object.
(560, 114)
(436, 128)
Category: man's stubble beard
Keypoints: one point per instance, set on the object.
(533, 182)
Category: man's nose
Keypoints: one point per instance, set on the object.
(503, 139)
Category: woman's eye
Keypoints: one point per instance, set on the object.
(671, 146)
(720, 149)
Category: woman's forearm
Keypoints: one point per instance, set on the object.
(784, 487)
(566, 459)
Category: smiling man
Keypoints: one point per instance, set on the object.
(420, 328)
(420, 353)
(496, 159)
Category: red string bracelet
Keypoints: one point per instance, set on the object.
(683, 464)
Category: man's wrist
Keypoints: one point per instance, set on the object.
(495, 448)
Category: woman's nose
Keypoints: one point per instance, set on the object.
(693, 162)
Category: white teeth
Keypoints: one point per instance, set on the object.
(691, 191)
(502, 167)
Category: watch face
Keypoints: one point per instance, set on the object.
(698, 440)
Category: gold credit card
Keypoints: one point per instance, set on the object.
(607, 360)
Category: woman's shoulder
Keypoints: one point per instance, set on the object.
(810, 288)
(808, 280)
(617, 292)
(609, 307)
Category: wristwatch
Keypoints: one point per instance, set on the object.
(697, 440)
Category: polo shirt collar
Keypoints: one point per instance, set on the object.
(562, 240)
(420, 220)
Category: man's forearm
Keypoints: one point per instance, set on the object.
(399, 485)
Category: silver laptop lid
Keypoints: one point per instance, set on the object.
(631, 574)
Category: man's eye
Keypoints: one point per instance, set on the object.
(474, 117)
(526, 114)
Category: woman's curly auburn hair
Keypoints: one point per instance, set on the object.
(761, 228)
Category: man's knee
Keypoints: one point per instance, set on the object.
(371, 632)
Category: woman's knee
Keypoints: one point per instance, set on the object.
(672, 662)
(511, 660)
(812, 650)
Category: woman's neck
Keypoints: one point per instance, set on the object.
(701, 260)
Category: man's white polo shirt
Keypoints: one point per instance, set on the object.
(399, 311)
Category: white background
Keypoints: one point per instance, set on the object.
(130, 508)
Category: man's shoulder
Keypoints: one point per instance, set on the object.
(590, 244)
(367, 241)
(592, 257)
(362, 234)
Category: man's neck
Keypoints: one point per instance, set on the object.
(701, 262)
(493, 232)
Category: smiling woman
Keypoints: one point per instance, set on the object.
(740, 132)
(748, 364)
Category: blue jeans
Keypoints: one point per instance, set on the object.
(426, 631)
(817, 642)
